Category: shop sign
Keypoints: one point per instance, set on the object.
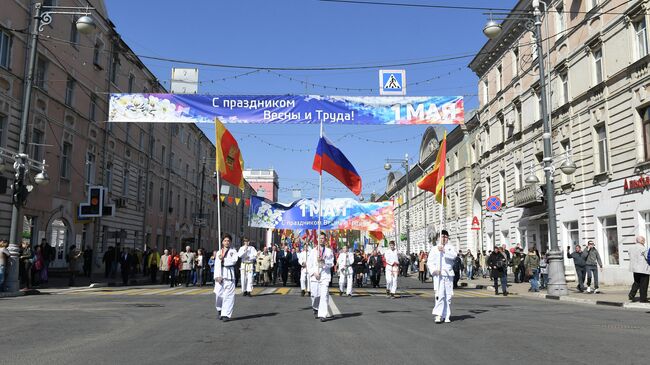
(636, 185)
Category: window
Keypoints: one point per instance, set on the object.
(592, 4)
(641, 38)
(503, 187)
(93, 107)
(97, 51)
(603, 154)
(540, 105)
(543, 238)
(488, 186)
(185, 208)
(515, 61)
(455, 165)
(597, 55)
(125, 179)
(41, 72)
(150, 194)
(487, 139)
(560, 21)
(131, 82)
(645, 126)
(486, 91)
(499, 78)
(74, 33)
(127, 132)
(178, 204)
(609, 235)
(572, 234)
(115, 66)
(502, 128)
(69, 91)
(162, 154)
(472, 152)
(109, 175)
(5, 49)
(90, 168)
(161, 199)
(37, 145)
(3, 129)
(523, 233)
(518, 176)
(66, 154)
(187, 172)
(518, 121)
(564, 83)
(141, 139)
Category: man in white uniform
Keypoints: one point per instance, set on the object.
(344, 264)
(224, 279)
(320, 261)
(441, 266)
(248, 256)
(392, 269)
(302, 261)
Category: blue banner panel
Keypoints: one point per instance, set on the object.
(340, 213)
(285, 109)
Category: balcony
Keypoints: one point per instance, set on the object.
(529, 196)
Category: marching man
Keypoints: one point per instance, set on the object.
(302, 261)
(248, 256)
(344, 264)
(320, 261)
(392, 269)
(441, 266)
(224, 279)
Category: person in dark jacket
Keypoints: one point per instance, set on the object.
(498, 264)
(107, 259)
(88, 259)
(283, 263)
(126, 265)
(375, 266)
(458, 266)
(579, 262)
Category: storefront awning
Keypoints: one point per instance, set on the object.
(537, 217)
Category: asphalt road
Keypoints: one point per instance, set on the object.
(133, 328)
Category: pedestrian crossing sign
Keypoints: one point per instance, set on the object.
(392, 82)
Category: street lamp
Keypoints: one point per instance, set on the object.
(557, 280)
(22, 163)
(568, 167)
(405, 163)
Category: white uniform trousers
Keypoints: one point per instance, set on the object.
(304, 280)
(345, 282)
(443, 287)
(391, 278)
(246, 271)
(320, 296)
(225, 297)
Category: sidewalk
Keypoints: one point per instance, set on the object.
(615, 296)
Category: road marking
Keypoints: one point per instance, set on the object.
(158, 291)
(136, 291)
(268, 291)
(334, 309)
(283, 291)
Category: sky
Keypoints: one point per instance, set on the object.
(311, 33)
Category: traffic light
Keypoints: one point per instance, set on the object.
(93, 208)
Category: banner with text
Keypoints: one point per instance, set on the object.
(340, 213)
(285, 109)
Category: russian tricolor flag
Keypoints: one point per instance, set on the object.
(332, 160)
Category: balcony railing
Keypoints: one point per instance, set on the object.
(528, 196)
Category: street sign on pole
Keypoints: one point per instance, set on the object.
(493, 204)
(392, 82)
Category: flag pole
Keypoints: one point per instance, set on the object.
(218, 206)
(320, 187)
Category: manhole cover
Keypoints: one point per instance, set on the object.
(147, 305)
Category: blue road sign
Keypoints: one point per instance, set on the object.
(493, 204)
(392, 82)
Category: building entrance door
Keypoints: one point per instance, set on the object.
(59, 240)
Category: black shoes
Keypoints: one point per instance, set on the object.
(302, 293)
(505, 294)
(315, 314)
(323, 319)
(224, 319)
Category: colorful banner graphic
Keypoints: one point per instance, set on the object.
(340, 213)
(285, 109)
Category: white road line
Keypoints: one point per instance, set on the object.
(268, 291)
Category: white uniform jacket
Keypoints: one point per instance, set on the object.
(247, 254)
(226, 268)
(442, 261)
(391, 259)
(345, 262)
(314, 266)
(302, 260)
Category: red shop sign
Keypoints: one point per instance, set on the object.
(641, 183)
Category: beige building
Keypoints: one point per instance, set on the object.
(598, 62)
(153, 172)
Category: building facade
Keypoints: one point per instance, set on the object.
(154, 173)
(598, 62)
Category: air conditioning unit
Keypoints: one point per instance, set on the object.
(121, 202)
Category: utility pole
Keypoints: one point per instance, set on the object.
(201, 201)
